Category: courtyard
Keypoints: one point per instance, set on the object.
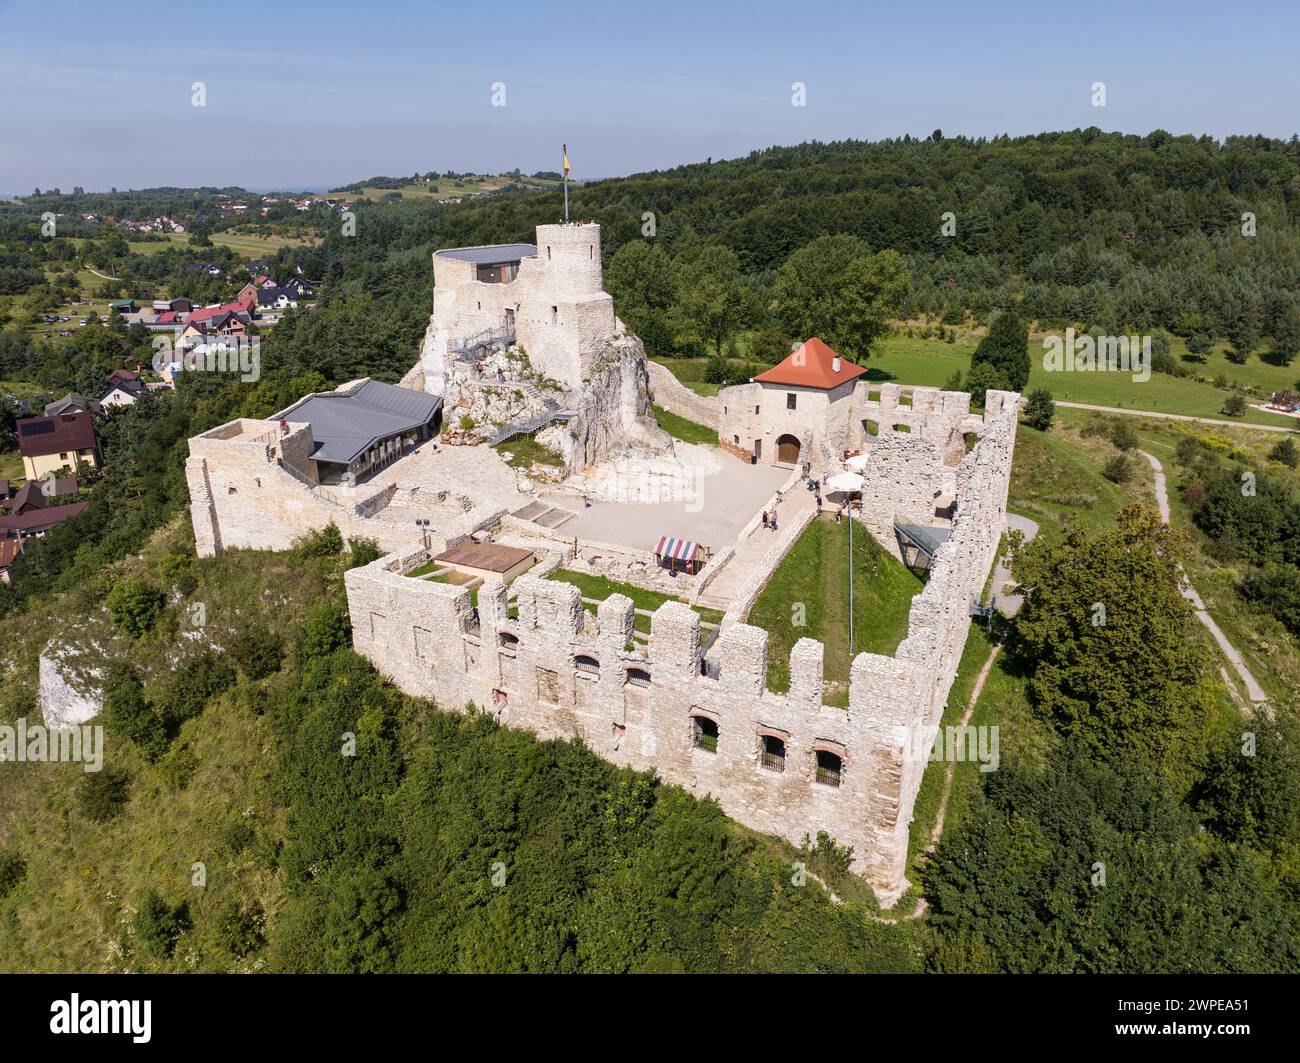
(808, 597)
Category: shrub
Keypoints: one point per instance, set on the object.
(256, 651)
(362, 552)
(102, 794)
(327, 629)
(1040, 409)
(239, 836)
(130, 714)
(175, 570)
(240, 929)
(1123, 435)
(1275, 588)
(12, 870)
(177, 768)
(982, 378)
(157, 925)
(1285, 453)
(1187, 451)
(197, 678)
(1234, 406)
(326, 542)
(134, 605)
(1118, 469)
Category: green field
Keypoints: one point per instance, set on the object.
(11, 465)
(808, 597)
(442, 189)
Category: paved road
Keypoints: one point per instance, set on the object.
(1176, 417)
(1253, 690)
(1009, 604)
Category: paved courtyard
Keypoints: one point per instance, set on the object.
(716, 507)
(708, 495)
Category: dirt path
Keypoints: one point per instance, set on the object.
(1176, 417)
(1253, 690)
(104, 275)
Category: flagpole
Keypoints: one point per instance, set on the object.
(566, 184)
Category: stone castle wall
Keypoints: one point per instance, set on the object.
(675, 397)
(560, 673)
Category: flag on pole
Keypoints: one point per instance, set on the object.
(564, 148)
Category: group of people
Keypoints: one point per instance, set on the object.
(769, 520)
(814, 484)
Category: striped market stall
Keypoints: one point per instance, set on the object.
(679, 555)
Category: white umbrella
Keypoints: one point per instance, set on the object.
(857, 463)
(846, 482)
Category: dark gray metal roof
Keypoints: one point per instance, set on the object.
(346, 425)
(494, 255)
(926, 537)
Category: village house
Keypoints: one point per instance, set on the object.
(277, 299)
(124, 387)
(70, 403)
(28, 514)
(52, 444)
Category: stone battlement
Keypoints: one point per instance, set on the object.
(556, 670)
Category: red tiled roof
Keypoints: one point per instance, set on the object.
(209, 312)
(38, 519)
(812, 365)
(38, 436)
(9, 551)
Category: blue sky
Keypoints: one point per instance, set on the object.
(99, 94)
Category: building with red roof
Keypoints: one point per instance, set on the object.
(805, 400)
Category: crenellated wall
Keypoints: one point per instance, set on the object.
(560, 673)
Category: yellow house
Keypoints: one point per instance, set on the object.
(49, 444)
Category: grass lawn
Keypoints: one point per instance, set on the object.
(251, 245)
(11, 465)
(525, 451)
(443, 187)
(1056, 476)
(808, 596)
(683, 429)
(932, 363)
(600, 588)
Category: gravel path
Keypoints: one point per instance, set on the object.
(1176, 417)
(1253, 690)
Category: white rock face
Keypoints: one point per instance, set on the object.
(66, 699)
